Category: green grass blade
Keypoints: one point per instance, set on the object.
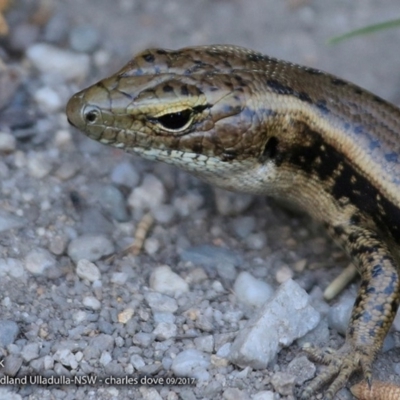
(366, 30)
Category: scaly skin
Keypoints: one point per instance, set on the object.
(247, 122)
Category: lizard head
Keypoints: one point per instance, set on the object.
(192, 108)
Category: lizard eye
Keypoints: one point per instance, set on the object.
(91, 115)
(176, 121)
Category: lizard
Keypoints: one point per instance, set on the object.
(247, 122)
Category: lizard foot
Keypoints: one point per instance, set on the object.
(341, 364)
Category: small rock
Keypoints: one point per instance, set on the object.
(48, 362)
(91, 302)
(38, 165)
(280, 321)
(9, 221)
(12, 364)
(137, 362)
(159, 302)
(48, 99)
(163, 317)
(9, 331)
(227, 271)
(113, 201)
(165, 331)
(8, 142)
(188, 204)
(84, 38)
(150, 194)
(319, 336)
(283, 274)
(125, 174)
(256, 241)
(302, 369)
(164, 213)
(210, 256)
(37, 261)
(105, 358)
(98, 345)
(119, 278)
(151, 246)
(11, 267)
(224, 350)
(235, 394)
(66, 357)
(126, 315)
(339, 314)
(90, 247)
(252, 291)
(283, 383)
(205, 343)
(143, 339)
(52, 60)
(229, 203)
(6, 394)
(149, 394)
(87, 270)
(30, 352)
(165, 281)
(95, 222)
(58, 245)
(243, 226)
(264, 395)
(190, 363)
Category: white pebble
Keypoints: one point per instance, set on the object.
(52, 60)
(151, 245)
(48, 99)
(37, 261)
(165, 281)
(150, 194)
(38, 166)
(251, 291)
(87, 270)
(190, 363)
(7, 142)
(119, 278)
(105, 358)
(91, 302)
(286, 317)
(165, 331)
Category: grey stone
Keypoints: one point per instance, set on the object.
(30, 352)
(9, 331)
(159, 302)
(9, 221)
(252, 291)
(90, 247)
(190, 362)
(339, 314)
(125, 174)
(210, 256)
(286, 317)
(84, 38)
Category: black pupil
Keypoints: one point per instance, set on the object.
(91, 116)
(176, 120)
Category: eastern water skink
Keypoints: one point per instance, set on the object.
(247, 122)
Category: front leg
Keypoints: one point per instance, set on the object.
(373, 311)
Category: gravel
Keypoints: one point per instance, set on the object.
(72, 301)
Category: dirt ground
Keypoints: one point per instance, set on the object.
(45, 306)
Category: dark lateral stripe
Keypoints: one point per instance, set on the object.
(322, 160)
(280, 88)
